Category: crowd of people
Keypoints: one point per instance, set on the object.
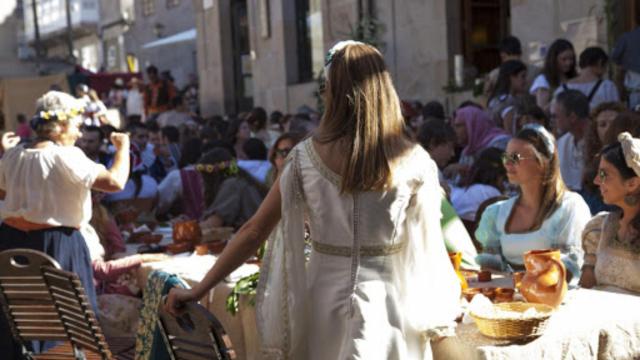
(550, 160)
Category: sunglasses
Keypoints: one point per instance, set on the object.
(513, 158)
(602, 176)
(283, 152)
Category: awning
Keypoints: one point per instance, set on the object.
(189, 35)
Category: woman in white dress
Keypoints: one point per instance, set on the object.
(378, 283)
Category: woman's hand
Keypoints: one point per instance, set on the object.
(588, 277)
(120, 141)
(176, 298)
(9, 140)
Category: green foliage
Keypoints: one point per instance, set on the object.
(245, 286)
(368, 30)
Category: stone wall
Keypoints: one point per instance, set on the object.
(179, 59)
(419, 40)
(416, 46)
(538, 22)
(10, 65)
(274, 57)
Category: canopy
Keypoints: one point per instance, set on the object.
(189, 35)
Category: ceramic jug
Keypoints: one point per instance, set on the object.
(545, 279)
(456, 260)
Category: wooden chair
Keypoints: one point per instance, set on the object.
(195, 334)
(42, 302)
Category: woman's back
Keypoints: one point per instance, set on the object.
(374, 215)
(364, 249)
(48, 185)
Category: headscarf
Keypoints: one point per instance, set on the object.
(481, 130)
(631, 151)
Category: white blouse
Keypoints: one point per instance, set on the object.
(540, 82)
(606, 92)
(48, 186)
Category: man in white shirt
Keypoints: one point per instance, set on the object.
(135, 100)
(570, 110)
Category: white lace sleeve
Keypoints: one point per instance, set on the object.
(282, 290)
(430, 288)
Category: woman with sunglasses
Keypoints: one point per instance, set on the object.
(543, 215)
(378, 283)
(611, 240)
(279, 152)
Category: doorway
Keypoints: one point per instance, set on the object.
(242, 69)
(484, 24)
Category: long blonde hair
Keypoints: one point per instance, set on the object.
(552, 183)
(363, 108)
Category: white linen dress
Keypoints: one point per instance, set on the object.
(378, 283)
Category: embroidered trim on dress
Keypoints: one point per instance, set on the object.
(355, 254)
(319, 165)
(366, 251)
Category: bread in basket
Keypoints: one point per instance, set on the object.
(513, 320)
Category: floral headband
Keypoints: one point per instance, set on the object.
(332, 52)
(631, 151)
(229, 168)
(546, 136)
(54, 115)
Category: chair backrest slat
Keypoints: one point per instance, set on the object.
(195, 334)
(43, 302)
(70, 299)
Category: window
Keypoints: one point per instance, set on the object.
(172, 3)
(309, 41)
(485, 23)
(148, 7)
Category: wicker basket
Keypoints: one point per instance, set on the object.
(511, 329)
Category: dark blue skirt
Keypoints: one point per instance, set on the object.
(64, 244)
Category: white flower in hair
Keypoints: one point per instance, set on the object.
(631, 151)
(337, 47)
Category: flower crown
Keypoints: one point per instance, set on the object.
(54, 115)
(229, 168)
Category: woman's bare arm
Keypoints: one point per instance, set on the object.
(116, 177)
(245, 243)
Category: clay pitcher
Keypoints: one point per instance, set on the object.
(456, 260)
(545, 280)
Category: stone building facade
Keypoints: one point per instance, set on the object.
(163, 34)
(419, 40)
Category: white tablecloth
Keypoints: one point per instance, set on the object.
(591, 324)
(192, 268)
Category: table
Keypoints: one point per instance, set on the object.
(590, 324)
(241, 328)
